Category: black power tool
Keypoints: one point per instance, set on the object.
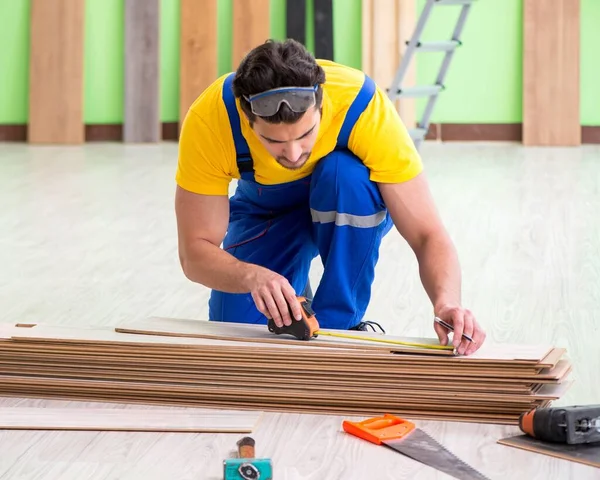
(571, 425)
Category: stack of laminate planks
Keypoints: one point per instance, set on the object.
(220, 365)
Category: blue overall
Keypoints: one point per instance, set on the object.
(337, 212)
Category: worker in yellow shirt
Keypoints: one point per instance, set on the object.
(325, 167)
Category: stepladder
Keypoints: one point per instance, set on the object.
(415, 45)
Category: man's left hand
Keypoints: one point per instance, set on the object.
(463, 321)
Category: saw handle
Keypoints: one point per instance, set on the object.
(303, 329)
(379, 429)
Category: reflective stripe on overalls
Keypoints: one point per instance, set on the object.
(337, 212)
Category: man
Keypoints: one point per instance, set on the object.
(325, 167)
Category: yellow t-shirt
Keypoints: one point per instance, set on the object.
(207, 160)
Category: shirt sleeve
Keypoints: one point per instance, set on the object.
(380, 139)
(203, 163)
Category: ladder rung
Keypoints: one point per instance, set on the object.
(444, 46)
(421, 91)
(453, 2)
(417, 133)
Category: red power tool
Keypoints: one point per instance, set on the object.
(571, 425)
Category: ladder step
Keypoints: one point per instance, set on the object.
(417, 133)
(444, 46)
(420, 91)
(454, 2)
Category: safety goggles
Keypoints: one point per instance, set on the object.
(268, 103)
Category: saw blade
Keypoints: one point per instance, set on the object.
(420, 446)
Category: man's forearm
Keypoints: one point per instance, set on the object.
(439, 269)
(213, 267)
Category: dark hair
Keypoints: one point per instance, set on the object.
(277, 64)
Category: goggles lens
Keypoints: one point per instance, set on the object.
(298, 99)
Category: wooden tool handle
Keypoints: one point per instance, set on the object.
(246, 447)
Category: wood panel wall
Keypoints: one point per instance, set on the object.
(551, 68)
(551, 112)
(198, 50)
(251, 27)
(323, 23)
(142, 73)
(387, 25)
(56, 72)
(295, 20)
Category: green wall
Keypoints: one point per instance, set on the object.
(483, 84)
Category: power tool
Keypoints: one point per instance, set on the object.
(572, 425)
(247, 467)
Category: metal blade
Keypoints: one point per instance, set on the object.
(423, 448)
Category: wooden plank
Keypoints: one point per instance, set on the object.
(251, 26)
(384, 41)
(553, 358)
(198, 50)
(587, 454)
(386, 29)
(407, 20)
(323, 22)
(142, 94)
(112, 370)
(295, 20)
(56, 72)
(551, 73)
(367, 37)
(262, 396)
(348, 390)
(468, 417)
(183, 327)
(127, 419)
(171, 332)
(258, 333)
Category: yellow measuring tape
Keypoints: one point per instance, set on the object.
(381, 340)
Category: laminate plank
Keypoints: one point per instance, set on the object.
(588, 454)
(104, 419)
(164, 326)
(551, 81)
(405, 389)
(56, 72)
(259, 380)
(141, 122)
(198, 50)
(200, 329)
(251, 26)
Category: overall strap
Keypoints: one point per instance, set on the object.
(358, 106)
(242, 151)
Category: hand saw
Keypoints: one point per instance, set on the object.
(404, 437)
(308, 327)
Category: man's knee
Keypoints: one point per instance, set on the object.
(341, 183)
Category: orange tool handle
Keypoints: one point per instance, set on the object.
(379, 429)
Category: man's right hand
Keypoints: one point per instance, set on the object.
(272, 293)
(202, 223)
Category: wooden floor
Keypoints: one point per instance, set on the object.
(88, 238)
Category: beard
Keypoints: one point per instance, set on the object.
(285, 163)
